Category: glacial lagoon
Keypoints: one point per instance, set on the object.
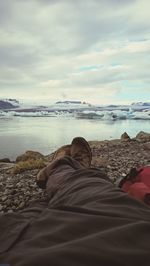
(45, 134)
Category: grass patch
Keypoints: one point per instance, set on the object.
(28, 165)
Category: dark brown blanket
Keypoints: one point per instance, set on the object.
(87, 221)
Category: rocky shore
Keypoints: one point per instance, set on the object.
(116, 157)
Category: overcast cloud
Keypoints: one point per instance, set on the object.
(92, 50)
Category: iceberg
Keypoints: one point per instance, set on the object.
(141, 115)
(89, 115)
(79, 110)
(113, 115)
(103, 115)
(34, 114)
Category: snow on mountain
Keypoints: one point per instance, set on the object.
(8, 103)
(70, 105)
(140, 106)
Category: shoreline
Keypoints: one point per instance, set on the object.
(46, 135)
(116, 157)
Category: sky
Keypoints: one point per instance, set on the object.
(96, 51)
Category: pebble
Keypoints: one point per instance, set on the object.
(4, 198)
(21, 205)
(10, 211)
(8, 202)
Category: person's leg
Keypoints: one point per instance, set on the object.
(69, 171)
(65, 162)
(43, 175)
(58, 172)
(88, 222)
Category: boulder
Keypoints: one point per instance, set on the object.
(143, 136)
(5, 160)
(28, 155)
(125, 136)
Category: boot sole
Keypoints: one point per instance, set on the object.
(81, 140)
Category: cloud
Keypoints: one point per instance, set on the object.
(73, 48)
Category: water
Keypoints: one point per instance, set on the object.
(45, 134)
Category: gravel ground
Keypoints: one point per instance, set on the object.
(116, 157)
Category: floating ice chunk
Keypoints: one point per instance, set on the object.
(142, 115)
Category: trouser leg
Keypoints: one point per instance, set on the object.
(58, 172)
(67, 175)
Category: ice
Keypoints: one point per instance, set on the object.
(142, 115)
(80, 110)
(114, 115)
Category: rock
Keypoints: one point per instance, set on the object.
(16, 202)
(97, 161)
(146, 146)
(13, 192)
(4, 198)
(123, 174)
(21, 205)
(1, 207)
(10, 186)
(6, 166)
(8, 202)
(10, 211)
(125, 136)
(5, 160)
(28, 155)
(19, 185)
(109, 166)
(143, 136)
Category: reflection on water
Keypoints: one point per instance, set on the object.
(45, 134)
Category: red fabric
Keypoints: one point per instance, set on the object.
(140, 186)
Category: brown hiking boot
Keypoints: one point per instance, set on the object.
(42, 176)
(62, 151)
(81, 151)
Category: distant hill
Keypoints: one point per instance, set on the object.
(113, 105)
(67, 102)
(141, 104)
(8, 104)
